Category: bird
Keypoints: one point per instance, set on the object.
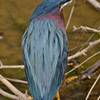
(45, 49)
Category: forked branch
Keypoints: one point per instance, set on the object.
(5, 94)
(18, 93)
(84, 51)
(85, 29)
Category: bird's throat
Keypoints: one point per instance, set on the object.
(56, 16)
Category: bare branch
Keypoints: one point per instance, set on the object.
(12, 66)
(90, 71)
(98, 98)
(82, 63)
(84, 44)
(1, 64)
(5, 94)
(95, 3)
(1, 37)
(10, 86)
(16, 80)
(84, 51)
(70, 16)
(13, 88)
(92, 87)
(86, 29)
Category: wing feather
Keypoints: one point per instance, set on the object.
(45, 54)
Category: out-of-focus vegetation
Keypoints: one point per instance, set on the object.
(14, 16)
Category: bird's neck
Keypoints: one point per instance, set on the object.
(48, 11)
(45, 8)
(55, 11)
(56, 16)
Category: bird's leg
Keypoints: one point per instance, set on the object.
(58, 95)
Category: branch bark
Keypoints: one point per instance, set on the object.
(84, 51)
(86, 29)
(10, 86)
(98, 98)
(16, 80)
(82, 63)
(21, 95)
(5, 94)
(95, 4)
(90, 71)
(12, 66)
(70, 16)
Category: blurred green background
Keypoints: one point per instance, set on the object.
(14, 17)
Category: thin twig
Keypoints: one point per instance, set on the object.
(1, 64)
(95, 3)
(98, 98)
(90, 71)
(16, 80)
(86, 29)
(88, 41)
(12, 88)
(70, 16)
(84, 51)
(5, 94)
(82, 63)
(12, 66)
(84, 44)
(92, 87)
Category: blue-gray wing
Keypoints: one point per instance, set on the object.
(45, 58)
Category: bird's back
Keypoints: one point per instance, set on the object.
(45, 55)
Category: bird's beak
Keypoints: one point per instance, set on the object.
(65, 4)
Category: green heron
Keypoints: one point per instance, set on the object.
(45, 49)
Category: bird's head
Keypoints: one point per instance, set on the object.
(48, 6)
(55, 1)
(58, 2)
